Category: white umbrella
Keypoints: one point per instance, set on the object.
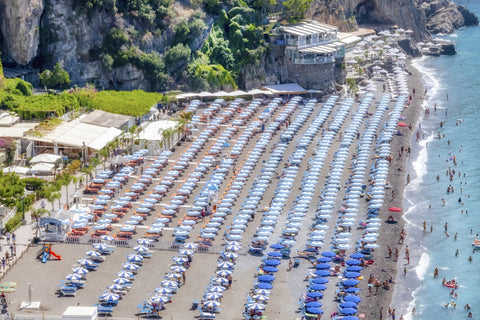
(110, 296)
(124, 274)
(144, 241)
(190, 245)
(140, 248)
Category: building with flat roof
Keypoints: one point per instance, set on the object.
(312, 53)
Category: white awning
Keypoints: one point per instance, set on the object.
(292, 88)
(42, 168)
(102, 140)
(16, 169)
(45, 157)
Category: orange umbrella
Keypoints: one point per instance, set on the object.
(395, 209)
(402, 124)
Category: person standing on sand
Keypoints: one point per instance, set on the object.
(393, 314)
(381, 313)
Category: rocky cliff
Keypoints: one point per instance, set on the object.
(44, 32)
(19, 26)
(444, 16)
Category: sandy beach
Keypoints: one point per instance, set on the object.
(289, 285)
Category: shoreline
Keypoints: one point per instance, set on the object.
(389, 267)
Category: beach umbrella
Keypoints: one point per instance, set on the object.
(314, 294)
(270, 269)
(354, 268)
(357, 255)
(71, 276)
(216, 289)
(321, 266)
(124, 274)
(317, 287)
(259, 297)
(322, 273)
(140, 248)
(352, 298)
(277, 246)
(234, 243)
(159, 299)
(213, 295)
(272, 262)
(225, 265)
(7, 290)
(93, 253)
(176, 268)
(230, 255)
(350, 318)
(232, 247)
(395, 209)
(190, 246)
(116, 287)
(110, 297)
(266, 277)
(314, 311)
(255, 306)
(353, 262)
(121, 281)
(130, 266)
(352, 275)
(220, 281)
(134, 257)
(264, 285)
(223, 273)
(348, 311)
(324, 259)
(328, 254)
(350, 282)
(348, 304)
(402, 124)
(320, 280)
(274, 254)
(352, 290)
(163, 290)
(80, 270)
(144, 241)
(180, 259)
(185, 252)
(212, 304)
(173, 276)
(169, 283)
(263, 292)
(313, 304)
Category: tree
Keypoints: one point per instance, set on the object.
(58, 78)
(295, 9)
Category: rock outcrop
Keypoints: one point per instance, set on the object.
(19, 24)
(444, 16)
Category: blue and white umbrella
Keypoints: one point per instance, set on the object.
(163, 290)
(85, 262)
(110, 297)
(130, 266)
(176, 268)
(100, 226)
(73, 276)
(212, 304)
(159, 299)
(223, 273)
(116, 287)
(127, 228)
(217, 289)
(124, 274)
(144, 241)
(185, 252)
(93, 253)
(133, 257)
(190, 246)
(80, 270)
(140, 248)
(121, 281)
(170, 283)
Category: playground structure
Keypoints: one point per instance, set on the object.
(46, 252)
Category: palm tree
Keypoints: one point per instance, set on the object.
(167, 134)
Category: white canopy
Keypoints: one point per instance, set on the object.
(16, 169)
(45, 157)
(42, 168)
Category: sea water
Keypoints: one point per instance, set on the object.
(451, 133)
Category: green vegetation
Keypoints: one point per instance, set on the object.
(295, 9)
(56, 79)
(132, 103)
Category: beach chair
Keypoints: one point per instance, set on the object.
(68, 291)
(104, 310)
(194, 304)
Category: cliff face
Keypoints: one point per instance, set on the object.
(444, 16)
(19, 21)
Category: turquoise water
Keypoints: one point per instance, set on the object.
(459, 77)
